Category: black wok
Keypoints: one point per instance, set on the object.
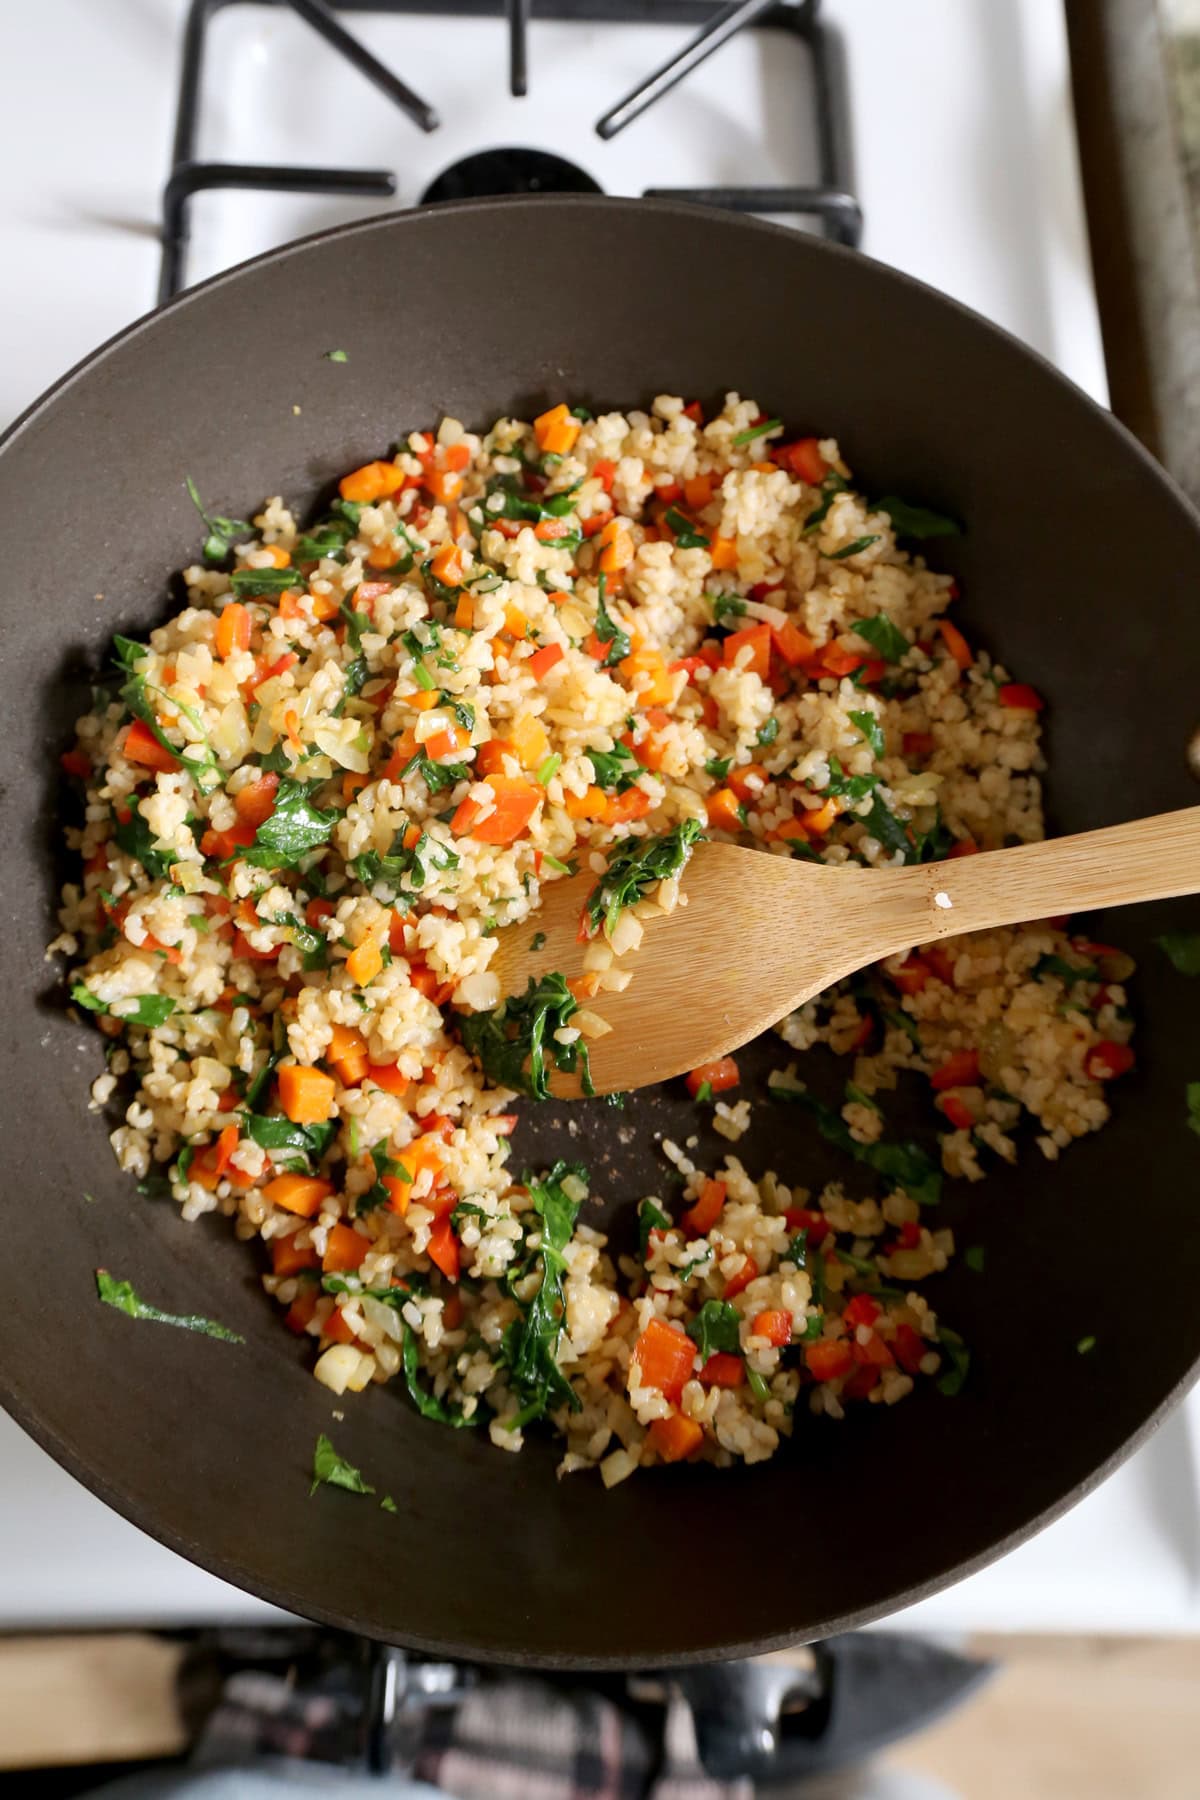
(1081, 565)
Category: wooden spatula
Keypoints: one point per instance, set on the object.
(760, 934)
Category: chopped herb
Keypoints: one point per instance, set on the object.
(715, 1328)
(560, 868)
(917, 521)
(615, 769)
(848, 787)
(718, 767)
(121, 1295)
(882, 635)
(466, 1209)
(960, 1361)
(770, 731)
(294, 827)
(327, 540)
(650, 1218)
(335, 1471)
(259, 1082)
(536, 941)
(974, 1258)
(530, 1348)
(1085, 1344)
(608, 631)
(582, 414)
(860, 543)
(1183, 948)
(890, 831)
(727, 606)
(338, 356)
(426, 1403)
(906, 1164)
(755, 431)
(686, 536)
(436, 776)
(520, 1030)
(463, 711)
(871, 730)
(387, 1504)
(616, 1099)
(378, 1194)
(633, 867)
(149, 1009)
(833, 485)
(223, 534)
(249, 584)
(292, 1147)
(758, 1385)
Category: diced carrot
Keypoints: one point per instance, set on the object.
(700, 1218)
(223, 844)
(448, 566)
(300, 1312)
(287, 1258)
(828, 1359)
(556, 431)
(1020, 697)
(464, 612)
(301, 1194)
(792, 644)
(516, 803)
(748, 782)
(365, 961)
(723, 1369)
(585, 986)
(960, 1069)
(910, 1348)
(543, 660)
(647, 674)
(452, 1311)
(676, 1437)
(291, 606)
(443, 1248)
(592, 804)
(347, 1052)
(233, 630)
(345, 1248)
(723, 552)
(226, 1144)
(256, 802)
(956, 644)
(374, 481)
(530, 741)
(755, 638)
(305, 1094)
(616, 547)
(802, 458)
(664, 1355)
(698, 492)
(720, 1076)
(388, 1077)
(722, 807)
(445, 485)
(742, 1278)
(142, 747)
(775, 1325)
(489, 757)
(822, 818)
(634, 803)
(605, 473)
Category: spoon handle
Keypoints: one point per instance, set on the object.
(1147, 859)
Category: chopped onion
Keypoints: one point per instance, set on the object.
(598, 955)
(626, 934)
(480, 991)
(337, 1367)
(617, 1467)
(591, 1025)
(574, 1188)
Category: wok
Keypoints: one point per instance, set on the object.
(1081, 566)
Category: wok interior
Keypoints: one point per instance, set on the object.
(1080, 569)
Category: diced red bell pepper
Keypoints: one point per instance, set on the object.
(700, 1218)
(775, 1324)
(910, 1347)
(664, 1355)
(1021, 697)
(859, 1385)
(874, 1354)
(941, 962)
(828, 1359)
(801, 1218)
(802, 458)
(861, 1310)
(742, 1279)
(723, 1369)
(911, 976)
(956, 1111)
(720, 1076)
(960, 1069)
(1106, 1060)
(909, 1235)
(443, 1247)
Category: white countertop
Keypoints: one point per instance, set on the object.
(965, 169)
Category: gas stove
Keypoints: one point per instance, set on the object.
(937, 133)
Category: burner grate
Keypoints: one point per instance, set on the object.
(829, 200)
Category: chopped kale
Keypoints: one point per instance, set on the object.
(150, 1009)
(378, 1194)
(848, 787)
(715, 1328)
(294, 827)
(615, 769)
(121, 1295)
(768, 732)
(833, 485)
(249, 584)
(718, 767)
(1064, 971)
(135, 696)
(426, 1403)
(292, 1147)
(530, 1348)
(634, 867)
(726, 607)
(521, 1030)
(871, 730)
(882, 635)
(686, 535)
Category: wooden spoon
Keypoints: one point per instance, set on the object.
(759, 935)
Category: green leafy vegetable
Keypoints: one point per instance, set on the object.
(726, 607)
(755, 431)
(520, 1030)
(833, 485)
(860, 543)
(904, 1022)
(334, 1471)
(121, 1295)
(715, 1328)
(135, 697)
(378, 1195)
(294, 827)
(871, 730)
(338, 356)
(758, 1384)
(530, 1348)
(650, 1218)
(883, 636)
(427, 1404)
(974, 1258)
(906, 1164)
(149, 1009)
(1085, 1345)
(251, 584)
(634, 867)
(718, 767)
(223, 533)
(615, 769)
(1192, 1092)
(767, 733)
(295, 1147)
(387, 1504)
(536, 941)
(608, 631)
(917, 521)
(1065, 971)
(960, 1362)
(328, 539)
(1183, 948)
(686, 536)
(848, 787)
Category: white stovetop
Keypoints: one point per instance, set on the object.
(965, 167)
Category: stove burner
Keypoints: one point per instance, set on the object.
(512, 171)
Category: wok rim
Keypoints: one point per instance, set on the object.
(140, 1515)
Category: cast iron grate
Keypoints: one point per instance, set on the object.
(829, 200)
